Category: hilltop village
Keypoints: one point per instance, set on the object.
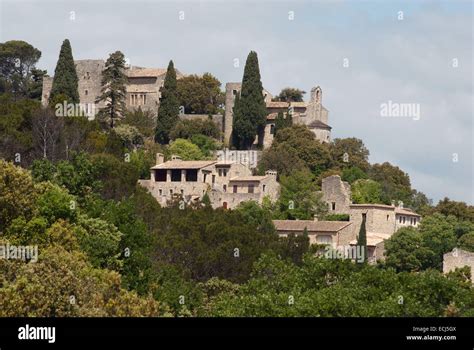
(144, 191)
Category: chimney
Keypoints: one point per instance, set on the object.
(160, 158)
(271, 173)
(393, 203)
(175, 157)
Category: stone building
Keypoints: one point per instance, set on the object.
(226, 183)
(458, 258)
(142, 89)
(312, 113)
(382, 221)
(334, 233)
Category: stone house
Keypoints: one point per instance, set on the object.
(458, 258)
(381, 220)
(312, 113)
(226, 183)
(334, 233)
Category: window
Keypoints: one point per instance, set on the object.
(272, 129)
(251, 188)
(404, 219)
(400, 219)
(176, 175)
(220, 172)
(182, 192)
(144, 99)
(414, 221)
(388, 217)
(234, 92)
(160, 175)
(160, 191)
(263, 188)
(213, 178)
(225, 172)
(333, 205)
(86, 92)
(171, 192)
(235, 188)
(204, 178)
(224, 188)
(324, 239)
(191, 175)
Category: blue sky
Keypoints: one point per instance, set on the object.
(404, 61)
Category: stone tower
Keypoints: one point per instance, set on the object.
(231, 90)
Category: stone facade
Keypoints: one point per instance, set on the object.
(337, 194)
(334, 233)
(312, 113)
(458, 258)
(142, 89)
(226, 183)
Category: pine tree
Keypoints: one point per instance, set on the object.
(65, 80)
(362, 237)
(206, 201)
(113, 90)
(168, 111)
(249, 110)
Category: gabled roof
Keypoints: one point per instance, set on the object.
(406, 211)
(317, 124)
(184, 164)
(311, 226)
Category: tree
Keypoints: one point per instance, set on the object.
(131, 137)
(187, 128)
(17, 68)
(65, 81)
(467, 241)
(458, 209)
(405, 251)
(362, 238)
(366, 191)
(200, 94)
(299, 198)
(256, 215)
(395, 183)
(352, 174)
(185, 149)
(17, 193)
(249, 110)
(350, 152)
(113, 88)
(46, 130)
(144, 121)
(280, 122)
(290, 95)
(169, 107)
(206, 144)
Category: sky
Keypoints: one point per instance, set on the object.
(363, 54)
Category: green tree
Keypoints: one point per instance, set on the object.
(65, 81)
(187, 128)
(350, 152)
(169, 107)
(249, 110)
(366, 191)
(362, 238)
(113, 88)
(200, 94)
(395, 183)
(352, 174)
(467, 241)
(290, 95)
(17, 67)
(185, 149)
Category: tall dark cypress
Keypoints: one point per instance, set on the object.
(250, 110)
(168, 111)
(362, 237)
(65, 80)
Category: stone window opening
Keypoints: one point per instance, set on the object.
(333, 206)
(324, 239)
(160, 175)
(160, 191)
(176, 175)
(86, 92)
(272, 129)
(171, 192)
(404, 219)
(387, 217)
(213, 179)
(263, 188)
(224, 187)
(235, 188)
(191, 175)
(251, 188)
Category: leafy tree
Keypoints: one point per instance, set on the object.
(366, 191)
(200, 94)
(185, 149)
(395, 183)
(350, 152)
(467, 242)
(206, 144)
(130, 136)
(299, 198)
(169, 107)
(256, 215)
(460, 210)
(187, 128)
(249, 110)
(405, 251)
(65, 81)
(17, 193)
(55, 203)
(419, 202)
(290, 95)
(144, 121)
(353, 174)
(113, 90)
(17, 68)
(35, 88)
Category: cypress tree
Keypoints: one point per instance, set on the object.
(362, 237)
(113, 90)
(65, 76)
(250, 110)
(288, 120)
(280, 122)
(168, 111)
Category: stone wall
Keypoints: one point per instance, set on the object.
(338, 193)
(458, 258)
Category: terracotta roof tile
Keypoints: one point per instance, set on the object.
(311, 226)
